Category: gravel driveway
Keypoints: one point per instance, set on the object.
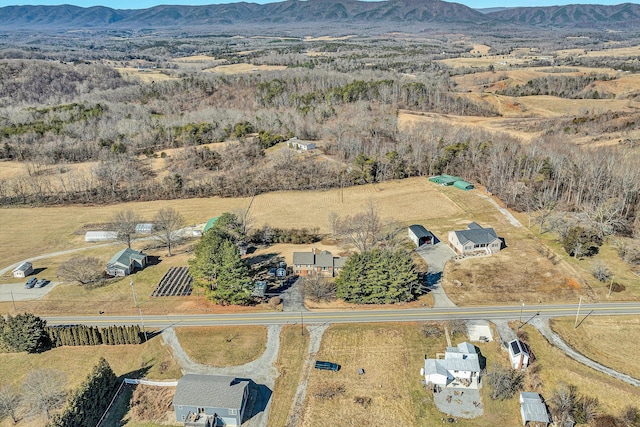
(262, 370)
(436, 256)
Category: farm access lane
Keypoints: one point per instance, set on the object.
(359, 316)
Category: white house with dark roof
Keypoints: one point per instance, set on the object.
(461, 364)
(323, 263)
(533, 410)
(124, 262)
(475, 239)
(210, 400)
(23, 270)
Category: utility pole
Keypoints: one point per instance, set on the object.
(610, 287)
(135, 299)
(301, 324)
(521, 308)
(13, 301)
(578, 313)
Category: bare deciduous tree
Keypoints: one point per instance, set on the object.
(9, 403)
(562, 402)
(44, 391)
(85, 270)
(504, 382)
(125, 225)
(318, 288)
(168, 222)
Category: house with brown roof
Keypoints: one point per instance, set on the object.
(323, 263)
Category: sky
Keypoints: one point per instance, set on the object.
(142, 4)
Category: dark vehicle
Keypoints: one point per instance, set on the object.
(327, 366)
(31, 283)
(42, 282)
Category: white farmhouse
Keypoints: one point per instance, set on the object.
(460, 365)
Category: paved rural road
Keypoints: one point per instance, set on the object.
(360, 316)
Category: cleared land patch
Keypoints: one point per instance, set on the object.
(244, 68)
(223, 345)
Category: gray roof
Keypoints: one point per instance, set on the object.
(123, 258)
(324, 259)
(210, 391)
(303, 258)
(433, 366)
(476, 234)
(532, 408)
(419, 231)
(462, 358)
(339, 262)
(23, 267)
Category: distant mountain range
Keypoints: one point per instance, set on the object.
(65, 17)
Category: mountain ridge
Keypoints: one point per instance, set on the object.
(68, 17)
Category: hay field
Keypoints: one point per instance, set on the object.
(147, 76)
(481, 49)
(194, 58)
(244, 68)
(28, 232)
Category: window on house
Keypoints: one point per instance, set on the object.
(233, 412)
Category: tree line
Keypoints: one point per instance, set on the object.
(76, 335)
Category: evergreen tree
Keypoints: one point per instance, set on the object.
(377, 277)
(24, 332)
(234, 284)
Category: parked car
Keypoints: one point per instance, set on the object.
(327, 366)
(31, 283)
(42, 282)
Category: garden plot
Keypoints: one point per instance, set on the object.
(175, 283)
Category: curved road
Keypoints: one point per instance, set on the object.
(360, 316)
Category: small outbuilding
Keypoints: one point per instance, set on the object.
(23, 270)
(518, 354)
(444, 179)
(301, 145)
(100, 236)
(210, 224)
(210, 400)
(533, 410)
(420, 235)
(463, 185)
(125, 262)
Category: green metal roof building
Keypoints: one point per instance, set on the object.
(443, 179)
(210, 224)
(463, 185)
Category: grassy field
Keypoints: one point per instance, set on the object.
(599, 338)
(291, 357)
(150, 359)
(223, 345)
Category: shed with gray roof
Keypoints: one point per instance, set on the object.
(420, 235)
(475, 239)
(533, 410)
(210, 400)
